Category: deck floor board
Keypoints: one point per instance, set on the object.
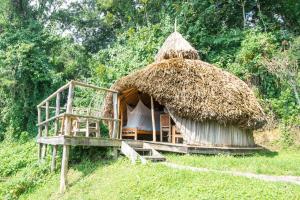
(159, 146)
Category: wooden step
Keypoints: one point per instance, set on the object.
(155, 158)
(143, 151)
(143, 154)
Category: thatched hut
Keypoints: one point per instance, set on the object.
(207, 105)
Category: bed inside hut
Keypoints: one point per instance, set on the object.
(139, 123)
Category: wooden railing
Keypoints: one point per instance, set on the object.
(61, 120)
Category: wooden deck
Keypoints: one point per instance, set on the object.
(66, 141)
(159, 146)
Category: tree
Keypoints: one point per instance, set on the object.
(285, 65)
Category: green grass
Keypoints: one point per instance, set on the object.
(286, 162)
(19, 169)
(22, 177)
(122, 180)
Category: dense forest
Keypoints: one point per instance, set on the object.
(45, 43)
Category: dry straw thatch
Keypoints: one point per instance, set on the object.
(194, 89)
(176, 46)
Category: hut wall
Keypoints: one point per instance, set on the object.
(212, 133)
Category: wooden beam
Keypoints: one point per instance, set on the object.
(40, 131)
(93, 87)
(160, 129)
(169, 147)
(90, 117)
(64, 169)
(98, 131)
(91, 141)
(53, 107)
(121, 118)
(116, 115)
(87, 130)
(50, 119)
(128, 151)
(66, 148)
(53, 161)
(56, 129)
(57, 111)
(54, 94)
(46, 130)
(153, 120)
(54, 140)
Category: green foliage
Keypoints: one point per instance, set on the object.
(33, 64)
(19, 169)
(132, 50)
(248, 64)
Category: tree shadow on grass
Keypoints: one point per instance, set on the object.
(266, 153)
(87, 160)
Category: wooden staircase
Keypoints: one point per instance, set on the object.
(141, 154)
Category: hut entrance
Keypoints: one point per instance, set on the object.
(143, 118)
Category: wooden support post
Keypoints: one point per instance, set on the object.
(173, 134)
(40, 133)
(153, 120)
(57, 111)
(66, 148)
(115, 153)
(44, 152)
(97, 128)
(170, 130)
(160, 130)
(56, 130)
(87, 130)
(53, 161)
(121, 117)
(116, 115)
(64, 169)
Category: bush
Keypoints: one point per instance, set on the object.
(19, 168)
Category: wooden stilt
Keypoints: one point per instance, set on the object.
(40, 129)
(87, 130)
(64, 169)
(116, 115)
(56, 129)
(44, 152)
(115, 153)
(53, 161)
(66, 148)
(121, 117)
(160, 132)
(153, 120)
(97, 128)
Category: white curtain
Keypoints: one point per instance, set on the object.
(140, 118)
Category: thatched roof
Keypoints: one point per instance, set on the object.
(194, 89)
(176, 46)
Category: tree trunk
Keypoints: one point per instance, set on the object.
(294, 86)
(244, 13)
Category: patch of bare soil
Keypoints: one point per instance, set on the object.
(267, 138)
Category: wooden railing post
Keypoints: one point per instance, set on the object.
(56, 130)
(120, 117)
(87, 130)
(66, 148)
(40, 131)
(46, 129)
(116, 115)
(153, 120)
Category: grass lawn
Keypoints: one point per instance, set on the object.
(22, 177)
(281, 163)
(121, 180)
